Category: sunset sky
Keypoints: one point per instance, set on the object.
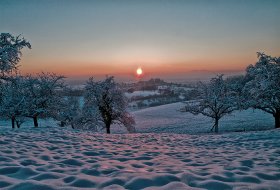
(167, 38)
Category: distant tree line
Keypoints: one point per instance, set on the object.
(45, 95)
(259, 88)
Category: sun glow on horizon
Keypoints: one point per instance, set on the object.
(139, 71)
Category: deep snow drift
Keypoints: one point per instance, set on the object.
(57, 158)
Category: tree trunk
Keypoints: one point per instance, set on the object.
(35, 120)
(13, 122)
(108, 128)
(277, 119)
(216, 125)
(212, 128)
(62, 124)
(18, 125)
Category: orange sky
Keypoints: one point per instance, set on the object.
(158, 68)
(166, 38)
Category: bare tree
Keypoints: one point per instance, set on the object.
(110, 102)
(215, 102)
(263, 86)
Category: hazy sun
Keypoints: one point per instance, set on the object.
(139, 71)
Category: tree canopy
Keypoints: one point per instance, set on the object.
(263, 86)
(10, 52)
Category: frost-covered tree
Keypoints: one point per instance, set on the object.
(216, 101)
(10, 52)
(108, 103)
(69, 111)
(43, 95)
(263, 86)
(236, 85)
(13, 102)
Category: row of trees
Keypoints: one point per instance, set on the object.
(259, 88)
(46, 95)
(29, 97)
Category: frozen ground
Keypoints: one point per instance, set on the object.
(57, 158)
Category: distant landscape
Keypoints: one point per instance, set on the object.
(132, 95)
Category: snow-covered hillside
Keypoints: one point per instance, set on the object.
(168, 118)
(143, 93)
(60, 158)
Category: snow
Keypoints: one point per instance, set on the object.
(168, 119)
(143, 93)
(62, 158)
(52, 157)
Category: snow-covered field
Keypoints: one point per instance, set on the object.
(62, 158)
(57, 158)
(168, 119)
(143, 93)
